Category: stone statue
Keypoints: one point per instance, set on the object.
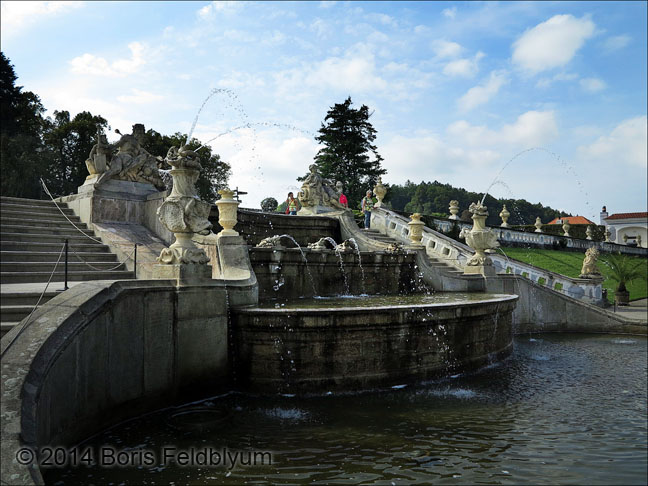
(131, 162)
(480, 239)
(97, 161)
(270, 242)
(590, 270)
(317, 194)
(347, 245)
(321, 244)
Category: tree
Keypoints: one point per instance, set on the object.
(69, 142)
(349, 154)
(214, 174)
(21, 143)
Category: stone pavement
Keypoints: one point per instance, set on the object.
(637, 310)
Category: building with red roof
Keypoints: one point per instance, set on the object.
(571, 220)
(627, 228)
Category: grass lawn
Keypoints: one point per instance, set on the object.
(570, 263)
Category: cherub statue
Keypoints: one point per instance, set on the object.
(590, 270)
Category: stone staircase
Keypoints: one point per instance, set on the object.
(434, 262)
(32, 234)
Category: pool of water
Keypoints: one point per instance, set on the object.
(408, 300)
(568, 409)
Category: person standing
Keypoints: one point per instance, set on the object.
(367, 206)
(343, 199)
(291, 205)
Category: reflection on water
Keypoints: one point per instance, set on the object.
(567, 409)
(342, 301)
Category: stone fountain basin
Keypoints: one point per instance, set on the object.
(320, 345)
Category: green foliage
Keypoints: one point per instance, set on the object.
(624, 270)
(349, 154)
(269, 204)
(21, 136)
(214, 174)
(282, 207)
(570, 263)
(68, 143)
(434, 197)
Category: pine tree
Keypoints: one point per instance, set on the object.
(349, 154)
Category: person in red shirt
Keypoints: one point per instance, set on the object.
(343, 199)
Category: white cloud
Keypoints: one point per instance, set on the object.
(546, 82)
(327, 3)
(530, 129)
(615, 43)
(478, 95)
(626, 144)
(451, 13)
(444, 49)
(140, 97)
(465, 68)
(382, 18)
(209, 12)
(592, 85)
(551, 44)
(99, 66)
(17, 16)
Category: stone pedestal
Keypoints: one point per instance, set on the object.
(485, 270)
(183, 274)
(416, 230)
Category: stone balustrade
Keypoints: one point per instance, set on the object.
(457, 254)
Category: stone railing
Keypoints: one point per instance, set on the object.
(511, 237)
(453, 252)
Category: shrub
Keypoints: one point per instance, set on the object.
(269, 204)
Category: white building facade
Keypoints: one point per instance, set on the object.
(627, 228)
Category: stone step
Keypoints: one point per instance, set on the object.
(28, 298)
(28, 208)
(14, 313)
(76, 239)
(25, 277)
(41, 222)
(57, 216)
(67, 229)
(26, 201)
(49, 266)
(54, 246)
(51, 256)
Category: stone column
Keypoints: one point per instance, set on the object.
(538, 225)
(380, 191)
(416, 230)
(505, 216)
(454, 209)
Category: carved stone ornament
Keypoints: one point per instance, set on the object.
(538, 225)
(454, 209)
(317, 194)
(380, 191)
(479, 238)
(182, 212)
(505, 216)
(416, 229)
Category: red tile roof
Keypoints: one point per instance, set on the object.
(571, 220)
(627, 215)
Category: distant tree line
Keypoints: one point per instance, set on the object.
(433, 198)
(55, 148)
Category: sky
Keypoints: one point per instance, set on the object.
(544, 101)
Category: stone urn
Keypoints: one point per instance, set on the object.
(416, 229)
(380, 191)
(588, 232)
(227, 212)
(505, 216)
(538, 225)
(607, 235)
(481, 239)
(454, 209)
(182, 212)
(566, 227)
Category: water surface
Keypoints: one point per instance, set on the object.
(563, 409)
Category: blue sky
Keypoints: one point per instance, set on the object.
(457, 89)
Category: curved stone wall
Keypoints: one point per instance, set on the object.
(351, 348)
(102, 352)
